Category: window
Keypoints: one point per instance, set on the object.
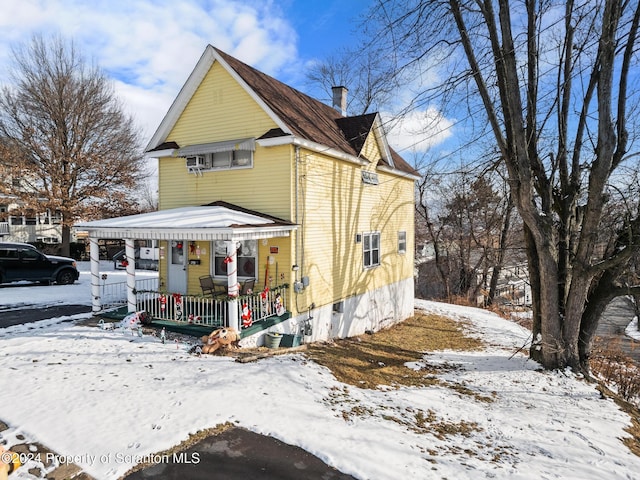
(371, 249)
(219, 155)
(402, 242)
(247, 258)
(231, 159)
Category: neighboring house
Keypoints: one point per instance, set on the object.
(15, 226)
(260, 183)
(514, 287)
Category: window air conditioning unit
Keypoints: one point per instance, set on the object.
(195, 163)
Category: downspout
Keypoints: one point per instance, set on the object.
(300, 232)
(297, 159)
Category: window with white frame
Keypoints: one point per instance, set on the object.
(247, 258)
(219, 155)
(231, 159)
(371, 249)
(402, 242)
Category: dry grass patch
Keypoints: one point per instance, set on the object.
(368, 361)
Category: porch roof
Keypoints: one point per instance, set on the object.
(216, 221)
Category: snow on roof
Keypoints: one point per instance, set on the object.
(208, 222)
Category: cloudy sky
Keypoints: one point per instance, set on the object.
(149, 47)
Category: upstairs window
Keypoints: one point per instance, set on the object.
(219, 155)
(231, 159)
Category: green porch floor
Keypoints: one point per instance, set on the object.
(197, 330)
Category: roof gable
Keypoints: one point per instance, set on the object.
(294, 112)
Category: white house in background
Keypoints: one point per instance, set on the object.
(15, 226)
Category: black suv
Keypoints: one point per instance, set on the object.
(21, 261)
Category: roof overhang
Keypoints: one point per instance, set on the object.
(204, 223)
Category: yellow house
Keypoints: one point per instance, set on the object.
(263, 187)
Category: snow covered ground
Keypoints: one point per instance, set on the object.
(632, 329)
(26, 295)
(107, 399)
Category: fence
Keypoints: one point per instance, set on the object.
(113, 295)
(208, 310)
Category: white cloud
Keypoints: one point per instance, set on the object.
(149, 47)
(418, 130)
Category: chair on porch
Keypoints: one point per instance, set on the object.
(247, 286)
(209, 287)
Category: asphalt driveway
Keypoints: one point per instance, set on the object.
(21, 315)
(238, 454)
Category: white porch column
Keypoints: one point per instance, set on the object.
(232, 283)
(130, 252)
(94, 257)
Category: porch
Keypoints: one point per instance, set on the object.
(190, 234)
(200, 314)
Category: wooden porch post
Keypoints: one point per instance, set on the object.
(130, 253)
(232, 283)
(94, 257)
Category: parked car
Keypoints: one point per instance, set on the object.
(22, 261)
(146, 259)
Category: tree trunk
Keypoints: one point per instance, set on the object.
(600, 296)
(66, 241)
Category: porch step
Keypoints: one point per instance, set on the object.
(183, 328)
(264, 324)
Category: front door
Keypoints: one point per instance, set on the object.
(177, 274)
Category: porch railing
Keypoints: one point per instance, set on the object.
(207, 310)
(113, 295)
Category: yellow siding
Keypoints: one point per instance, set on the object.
(267, 187)
(194, 272)
(339, 206)
(219, 110)
(370, 149)
(222, 110)
(334, 204)
(279, 271)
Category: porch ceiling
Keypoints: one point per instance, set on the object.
(210, 222)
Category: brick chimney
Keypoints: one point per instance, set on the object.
(340, 99)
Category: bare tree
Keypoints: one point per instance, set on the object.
(73, 149)
(554, 81)
(366, 74)
(467, 218)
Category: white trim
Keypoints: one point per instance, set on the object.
(205, 234)
(186, 92)
(213, 222)
(331, 152)
(168, 152)
(381, 138)
(399, 173)
(371, 249)
(276, 141)
(216, 147)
